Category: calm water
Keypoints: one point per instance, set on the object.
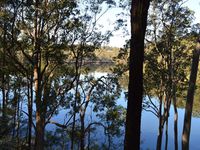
(149, 127)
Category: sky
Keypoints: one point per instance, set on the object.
(118, 39)
(195, 6)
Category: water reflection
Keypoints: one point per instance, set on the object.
(149, 130)
(100, 137)
(99, 118)
(150, 123)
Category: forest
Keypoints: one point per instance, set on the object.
(63, 87)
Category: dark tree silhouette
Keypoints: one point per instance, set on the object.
(190, 98)
(139, 11)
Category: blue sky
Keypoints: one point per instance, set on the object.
(118, 40)
(195, 6)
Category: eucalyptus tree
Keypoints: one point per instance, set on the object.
(41, 24)
(167, 58)
(191, 89)
(190, 98)
(139, 12)
(35, 46)
(48, 42)
(82, 40)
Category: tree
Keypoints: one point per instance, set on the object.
(190, 98)
(45, 43)
(139, 11)
(167, 59)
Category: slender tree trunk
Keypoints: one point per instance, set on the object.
(3, 76)
(109, 141)
(162, 120)
(15, 114)
(159, 138)
(74, 117)
(30, 110)
(3, 97)
(139, 11)
(89, 136)
(77, 67)
(166, 135)
(160, 128)
(18, 117)
(174, 101)
(82, 141)
(88, 145)
(175, 121)
(72, 132)
(190, 98)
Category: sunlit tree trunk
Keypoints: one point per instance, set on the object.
(40, 125)
(39, 139)
(190, 98)
(139, 11)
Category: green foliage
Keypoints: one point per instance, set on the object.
(58, 37)
(168, 54)
(68, 37)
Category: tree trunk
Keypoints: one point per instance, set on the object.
(18, 117)
(3, 97)
(175, 128)
(190, 99)
(82, 141)
(163, 118)
(77, 67)
(41, 116)
(175, 120)
(40, 121)
(15, 114)
(74, 117)
(166, 135)
(160, 128)
(139, 13)
(30, 110)
(3, 75)
(39, 141)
